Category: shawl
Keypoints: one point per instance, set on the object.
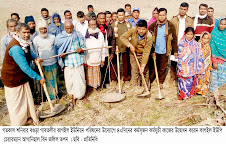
(206, 50)
(153, 19)
(190, 58)
(64, 41)
(93, 33)
(53, 28)
(218, 42)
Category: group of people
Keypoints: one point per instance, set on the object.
(196, 47)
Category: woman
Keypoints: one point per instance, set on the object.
(190, 63)
(154, 16)
(218, 50)
(204, 80)
(57, 26)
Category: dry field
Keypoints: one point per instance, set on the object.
(132, 111)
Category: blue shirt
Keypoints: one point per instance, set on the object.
(19, 57)
(133, 23)
(160, 46)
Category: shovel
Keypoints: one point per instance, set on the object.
(118, 96)
(54, 110)
(157, 78)
(143, 79)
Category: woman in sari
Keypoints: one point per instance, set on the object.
(190, 63)
(204, 80)
(218, 50)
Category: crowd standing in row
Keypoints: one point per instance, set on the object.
(196, 47)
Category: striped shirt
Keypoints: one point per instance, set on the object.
(75, 59)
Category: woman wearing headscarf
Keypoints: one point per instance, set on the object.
(190, 64)
(218, 50)
(204, 80)
(57, 26)
(154, 16)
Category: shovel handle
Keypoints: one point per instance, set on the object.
(76, 51)
(142, 75)
(118, 66)
(45, 88)
(157, 78)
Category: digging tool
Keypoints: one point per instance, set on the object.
(76, 51)
(142, 75)
(115, 97)
(157, 78)
(53, 110)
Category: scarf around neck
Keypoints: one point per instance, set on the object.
(196, 19)
(93, 33)
(24, 43)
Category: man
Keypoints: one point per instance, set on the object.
(45, 15)
(11, 30)
(180, 22)
(109, 41)
(36, 88)
(140, 44)
(128, 13)
(210, 13)
(94, 58)
(90, 13)
(135, 17)
(121, 26)
(68, 16)
(165, 40)
(114, 16)
(82, 25)
(108, 17)
(15, 75)
(43, 44)
(16, 17)
(29, 20)
(70, 40)
(202, 22)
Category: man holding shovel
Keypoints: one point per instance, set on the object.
(140, 46)
(15, 75)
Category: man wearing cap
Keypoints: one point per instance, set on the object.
(29, 20)
(34, 84)
(43, 44)
(135, 17)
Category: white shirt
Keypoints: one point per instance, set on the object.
(181, 27)
(94, 57)
(44, 47)
(82, 27)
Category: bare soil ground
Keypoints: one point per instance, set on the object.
(131, 111)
